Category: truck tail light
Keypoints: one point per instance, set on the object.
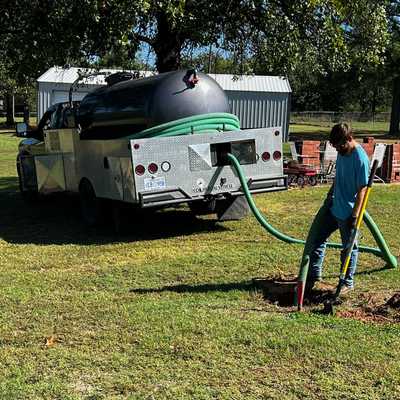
(165, 166)
(265, 156)
(140, 169)
(152, 168)
(277, 155)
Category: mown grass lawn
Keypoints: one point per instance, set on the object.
(168, 310)
(320, 131)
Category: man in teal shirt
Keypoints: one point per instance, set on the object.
(345, 199)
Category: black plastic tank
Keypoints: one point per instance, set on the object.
(128, 107)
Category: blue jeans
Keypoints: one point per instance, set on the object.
(330, 225)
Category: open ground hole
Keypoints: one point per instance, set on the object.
(280, 291)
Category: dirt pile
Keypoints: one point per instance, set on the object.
(372, 310)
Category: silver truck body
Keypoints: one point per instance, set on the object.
(188, 168)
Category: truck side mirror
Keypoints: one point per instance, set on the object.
(21, 129)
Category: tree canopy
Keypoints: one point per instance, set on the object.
(304, 39)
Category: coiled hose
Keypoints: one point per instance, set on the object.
(203, 123)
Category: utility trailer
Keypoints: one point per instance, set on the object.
(146, 172)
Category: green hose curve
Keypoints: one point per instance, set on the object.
(383, 252)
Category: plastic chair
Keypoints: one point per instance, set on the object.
(379, 155)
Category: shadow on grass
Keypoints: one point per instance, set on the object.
(57, 220)
(373, 271)
(204, 288)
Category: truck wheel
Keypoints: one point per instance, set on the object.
(90, 205)
(122, 215)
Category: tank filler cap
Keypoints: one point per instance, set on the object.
(191, 78)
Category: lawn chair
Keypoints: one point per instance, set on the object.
(293, 151)
(379, 155)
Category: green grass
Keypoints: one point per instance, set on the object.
(168, 310)
(320, 131)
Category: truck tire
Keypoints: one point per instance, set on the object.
(91, 205)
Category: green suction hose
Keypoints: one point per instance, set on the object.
(383, 252)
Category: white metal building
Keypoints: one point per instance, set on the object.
(258, 101)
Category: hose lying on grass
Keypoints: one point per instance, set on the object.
(383, 250)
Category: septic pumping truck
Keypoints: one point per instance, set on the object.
(158, 142)
(149, 143)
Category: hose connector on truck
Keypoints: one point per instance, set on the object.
(150, 142)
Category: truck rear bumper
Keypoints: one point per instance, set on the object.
(177, 195)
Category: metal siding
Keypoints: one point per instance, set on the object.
(257, 110)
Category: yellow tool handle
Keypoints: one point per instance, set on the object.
(359, 218)
(358, 224)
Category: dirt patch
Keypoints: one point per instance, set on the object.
(394, 301)
(373, 310)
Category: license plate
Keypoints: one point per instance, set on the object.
(155, 183)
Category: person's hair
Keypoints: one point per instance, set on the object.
(340, 133)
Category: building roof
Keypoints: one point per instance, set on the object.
(253, 83)
(243, 83)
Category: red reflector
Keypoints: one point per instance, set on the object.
(153, 168)
(277, 155)
(265, 156)
(136, 146)
(140, 170)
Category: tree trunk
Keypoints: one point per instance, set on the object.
(395, 114)
(167, 46)
(26, 112)
(10, 109)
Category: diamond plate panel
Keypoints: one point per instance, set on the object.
(199, 157)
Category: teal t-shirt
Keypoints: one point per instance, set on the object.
(352, 172)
